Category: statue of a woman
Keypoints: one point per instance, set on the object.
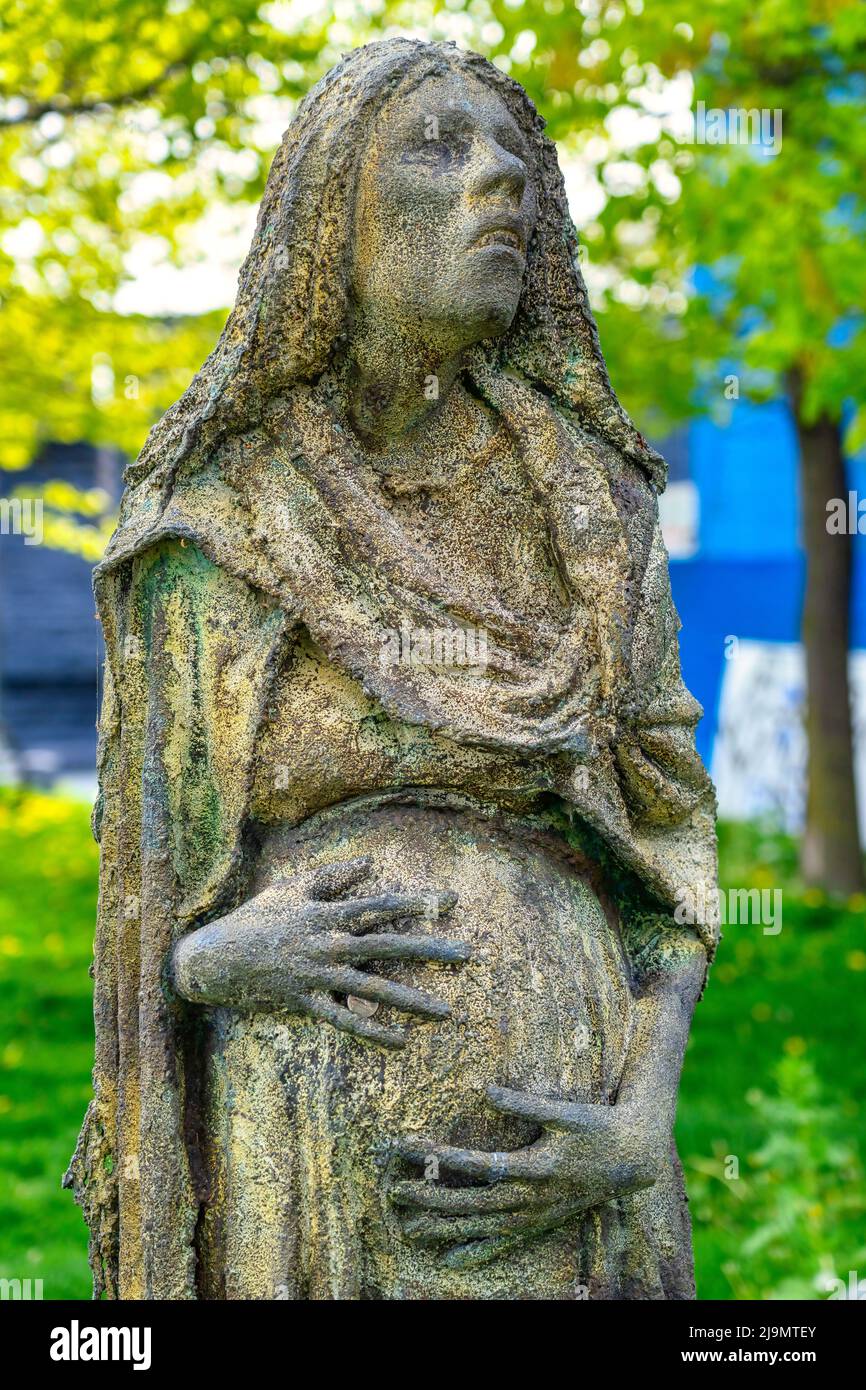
(399, 790)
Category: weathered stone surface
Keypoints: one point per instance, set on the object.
(398, 781)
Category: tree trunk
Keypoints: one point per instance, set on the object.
(831, 856)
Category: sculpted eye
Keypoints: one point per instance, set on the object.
(443, 151)
(440, 153)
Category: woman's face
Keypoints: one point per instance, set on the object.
(445, 212)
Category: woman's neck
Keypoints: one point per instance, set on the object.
(398, 384)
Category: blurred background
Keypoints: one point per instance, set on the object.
(715, 162)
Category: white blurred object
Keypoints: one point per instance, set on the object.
(759, 754)
(680, 516)
(40, 766)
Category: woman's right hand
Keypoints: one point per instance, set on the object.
(270, 955)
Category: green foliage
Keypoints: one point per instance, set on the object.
(797, 1205)
(773, 1075)
(122, 122)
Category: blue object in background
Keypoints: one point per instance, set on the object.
(747, 574)
(758, 600)
(746, 475)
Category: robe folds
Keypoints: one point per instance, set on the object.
(205, 583)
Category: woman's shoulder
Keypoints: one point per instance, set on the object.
(201, 523)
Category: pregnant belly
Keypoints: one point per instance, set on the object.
(301, 1115)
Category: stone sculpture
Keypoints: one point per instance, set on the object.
(399, 791)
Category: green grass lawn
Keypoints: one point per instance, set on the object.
(47, 907)
(773, 1094)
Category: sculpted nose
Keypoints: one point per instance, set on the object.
(500, 171)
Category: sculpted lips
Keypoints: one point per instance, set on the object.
(501, 234)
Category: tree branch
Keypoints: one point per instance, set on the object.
(35, 110)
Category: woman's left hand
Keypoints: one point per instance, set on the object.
(586, 1156)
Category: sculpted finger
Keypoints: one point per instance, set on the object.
(385, 946)
(554, 1114)
(533, 1164)
(358, 915)
(428, 1229)
(481, 1252)
(332, 880)
(629, 1177)
(321, 1006)
(344, 980)
(522, 1228)
(466, 1201)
